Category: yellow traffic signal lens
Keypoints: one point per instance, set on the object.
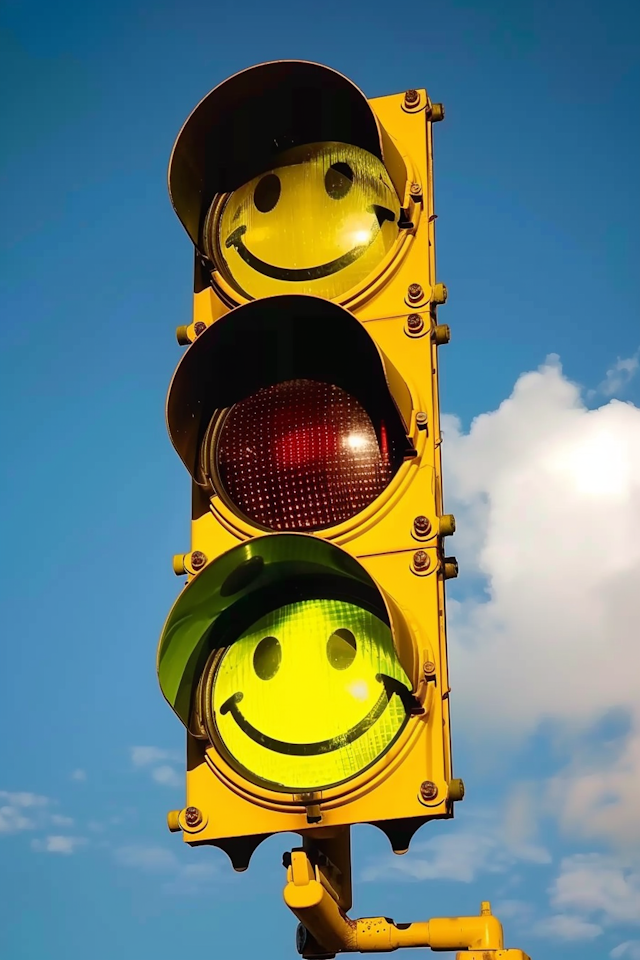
(319, 223)
(302, 455)
(309, 696)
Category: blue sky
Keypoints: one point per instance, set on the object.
(538, 203)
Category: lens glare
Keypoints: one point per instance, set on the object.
(301, 455)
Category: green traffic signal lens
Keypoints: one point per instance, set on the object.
(309, 696)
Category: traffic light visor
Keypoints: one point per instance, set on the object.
(299, 381)
(237, 130)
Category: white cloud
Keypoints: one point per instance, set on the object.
(480, 847)
(547, 497)
(630, 949)
(547, 494)
(182, 877)
(512, 909)
(147, 757)
(58, 844)
(598, 795)
(59, 821)
(146, 858)
(78, 775)
(563, 926)
(168, 776)
(12, 806)
(593, 884)
(618, 376)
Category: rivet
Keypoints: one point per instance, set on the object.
(428, 790)
(198, 559)
(421, 560)
(415, 323)
(422, 526)
(192, 817)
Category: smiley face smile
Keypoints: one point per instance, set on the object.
(291, 274)
(391, 687)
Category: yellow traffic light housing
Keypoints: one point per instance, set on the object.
(306, 656)
(306, 412)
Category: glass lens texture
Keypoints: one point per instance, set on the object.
(319, 222)
(301, 455)
(318, 715)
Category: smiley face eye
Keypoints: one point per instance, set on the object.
(267, 658)
(267, 193)
(338, 180)
(341, 649)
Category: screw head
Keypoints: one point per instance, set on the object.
(411, 98)
(429, 668)
(428, 790)
(198, 559)
(421, 560)
(414, 292)
(415, 323)
(192, 816)
(422, 419)
(415, 189)
(199, 327)
(422, 526)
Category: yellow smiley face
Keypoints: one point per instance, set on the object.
(317, 223)
(309, 696)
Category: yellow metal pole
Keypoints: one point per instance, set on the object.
(309, 899)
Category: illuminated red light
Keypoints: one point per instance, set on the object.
(301, 455)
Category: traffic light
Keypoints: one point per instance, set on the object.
(306, 657)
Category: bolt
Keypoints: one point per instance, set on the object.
(450, 568)
(441, 334)
(439, 293)
(192, 817)
(415, 190)
(429, 668)
(198, 559)
(182, 335)
(455, 790)
(447, 525)
(173, 821)
(428, 790)
(411, 98)
(199, 327)
(415, 323)
(422, 420)
(415, 292)
(422, 526)
(421, 560)
(437, 112)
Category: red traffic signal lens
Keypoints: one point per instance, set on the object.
(301, 455)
